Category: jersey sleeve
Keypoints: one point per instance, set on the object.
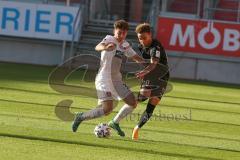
(108, 39)
(155, 52)
(130, 52)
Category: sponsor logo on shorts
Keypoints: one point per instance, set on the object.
(119, 54)
(108, 94)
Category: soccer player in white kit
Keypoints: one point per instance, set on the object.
(109, 84)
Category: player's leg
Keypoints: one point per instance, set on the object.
(148, 111)
(146, 115)
(103, 109)
(128, 107)
(105, 106)
(154, 90)
(155, 97)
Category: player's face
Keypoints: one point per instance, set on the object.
(120, 34)
(145, 39)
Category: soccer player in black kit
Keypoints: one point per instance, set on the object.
(154, 76)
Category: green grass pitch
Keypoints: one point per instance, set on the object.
(195, 120)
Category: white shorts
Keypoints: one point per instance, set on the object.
(115, 90)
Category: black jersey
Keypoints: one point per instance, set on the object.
(157, 79)
(156, 50)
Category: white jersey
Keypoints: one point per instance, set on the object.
(111, 61)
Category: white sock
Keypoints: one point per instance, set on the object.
(123, 112)
(94, 113)
(136, 127)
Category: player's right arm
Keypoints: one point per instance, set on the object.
(105, 46)
(155, 55)
(138, 59)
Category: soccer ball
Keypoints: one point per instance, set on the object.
(102, 130)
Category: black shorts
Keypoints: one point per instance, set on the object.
(156, 83)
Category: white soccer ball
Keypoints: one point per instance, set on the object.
(102, 130)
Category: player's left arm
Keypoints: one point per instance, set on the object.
(138, 59)
(155, 55)
(131, 54)
(148, 69)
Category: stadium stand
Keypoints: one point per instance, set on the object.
(227, 10)
(183, 6)
(98, 21)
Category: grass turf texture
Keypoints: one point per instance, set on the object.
(195, 120)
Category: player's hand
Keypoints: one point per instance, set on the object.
(110, 47)
(141, 74)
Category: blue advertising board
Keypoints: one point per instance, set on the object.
(37, 20)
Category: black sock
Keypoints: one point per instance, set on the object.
(146, 115)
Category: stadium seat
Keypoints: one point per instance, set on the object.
(231, 10)
(184, 6)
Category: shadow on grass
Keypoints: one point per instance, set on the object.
(107, 146)
(149, 130)
(82, 91)
(31, 72)
(206, 83)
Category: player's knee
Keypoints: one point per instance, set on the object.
(107, 113)
(107, 107)
(133, 103)
(154, 100)
(107, 110)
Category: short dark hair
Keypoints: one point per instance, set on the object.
(121, 24)
(143, 28)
